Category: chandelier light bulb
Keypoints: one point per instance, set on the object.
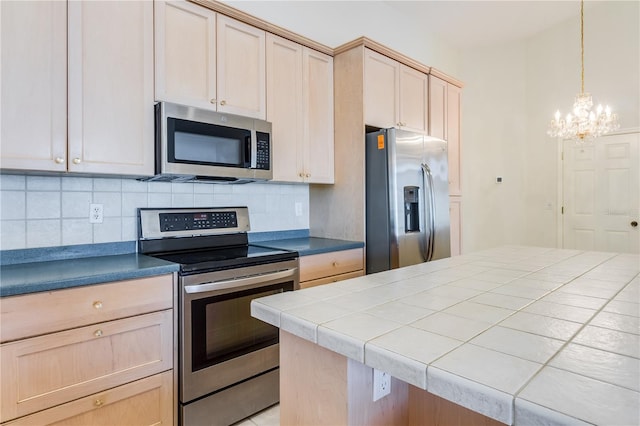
(584, 123)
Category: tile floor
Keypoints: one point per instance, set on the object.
(267, 417)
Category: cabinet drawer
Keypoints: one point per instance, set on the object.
(44, 371)
(329, 264)
(332, 279)
(40, 313)
(145, 402)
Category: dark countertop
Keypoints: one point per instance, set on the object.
(53, 268)
(310, 245)
(34, 277)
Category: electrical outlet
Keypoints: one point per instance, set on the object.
(95, 213)
(298, 209)
(381, 384)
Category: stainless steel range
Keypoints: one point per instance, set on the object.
(228, 360)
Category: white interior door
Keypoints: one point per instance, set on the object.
(601, 194)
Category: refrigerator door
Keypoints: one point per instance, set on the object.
(408, 197)
(436, 195)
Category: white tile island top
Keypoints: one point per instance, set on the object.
(524, 335)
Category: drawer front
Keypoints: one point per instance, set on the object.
(332, 279)
(144, 402)
(332, 263)
(44, 371)
(40, 313)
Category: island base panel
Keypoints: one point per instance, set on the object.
(322, 387)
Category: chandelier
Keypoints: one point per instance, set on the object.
(583, 123)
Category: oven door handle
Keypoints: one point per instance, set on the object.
(240, 282)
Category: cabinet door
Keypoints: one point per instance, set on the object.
(381, 80)
(454, 94)
(318, 109)
(41, 372)
(437, 107)
(284, 101)
(185, 54)
(414, 99)
(455, 220)
(147, 401)
(33, 84)
(241, 68)
(111, 87)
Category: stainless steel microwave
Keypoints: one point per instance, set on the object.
(194, 144)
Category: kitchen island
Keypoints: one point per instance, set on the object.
(513, 335)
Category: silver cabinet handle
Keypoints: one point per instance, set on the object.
(223, 102)
(239, 282)
(213, 101)
(59, 160)
(77, 160)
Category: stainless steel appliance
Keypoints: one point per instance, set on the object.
(407, 199)
(228, 360)
(194, 144)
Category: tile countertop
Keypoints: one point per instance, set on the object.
(310, 245)
(524, 335)
(34, 277)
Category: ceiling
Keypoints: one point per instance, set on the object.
(467, 24)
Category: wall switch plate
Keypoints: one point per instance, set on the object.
(298, 209)
(381, 384)
(96, 213)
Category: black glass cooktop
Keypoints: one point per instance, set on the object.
(205, 260)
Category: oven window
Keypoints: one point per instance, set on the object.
(207, 144)
(222, 327)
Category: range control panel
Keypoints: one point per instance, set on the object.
(189, 222)
(170, 222)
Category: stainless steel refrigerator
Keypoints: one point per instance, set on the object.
(407, 199)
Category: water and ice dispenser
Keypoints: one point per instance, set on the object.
(411, 209)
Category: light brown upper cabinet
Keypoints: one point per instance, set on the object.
(300, 107)
(208, 60)
(395, 95)
(444, 123)
(101, 121)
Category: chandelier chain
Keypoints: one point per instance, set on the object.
(582, 45)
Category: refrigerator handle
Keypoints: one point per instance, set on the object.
(430, 210)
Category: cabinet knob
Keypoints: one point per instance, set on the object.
(97, 304)
(213, 101)
(77, 160)
(97, 333)
(223, 102)
(301, 175)
(634, 223)
(98, 403)
(59, 160)
(334, 264)
(307, 175)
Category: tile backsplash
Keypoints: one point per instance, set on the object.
(47, 211)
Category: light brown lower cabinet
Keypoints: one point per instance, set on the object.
(144, 402)
(105, 359)
(330, 267)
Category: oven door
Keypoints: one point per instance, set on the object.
(221, 343)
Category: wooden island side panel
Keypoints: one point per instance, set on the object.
(321, 387)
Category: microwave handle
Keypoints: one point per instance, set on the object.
(240, 282)
(254, 149)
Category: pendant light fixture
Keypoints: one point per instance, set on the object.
(583, 123)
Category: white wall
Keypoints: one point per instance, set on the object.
(494, 127)
(511, 93)
(46, 211)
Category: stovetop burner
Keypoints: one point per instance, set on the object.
(225, 258)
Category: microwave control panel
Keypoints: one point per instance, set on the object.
(263, 153)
